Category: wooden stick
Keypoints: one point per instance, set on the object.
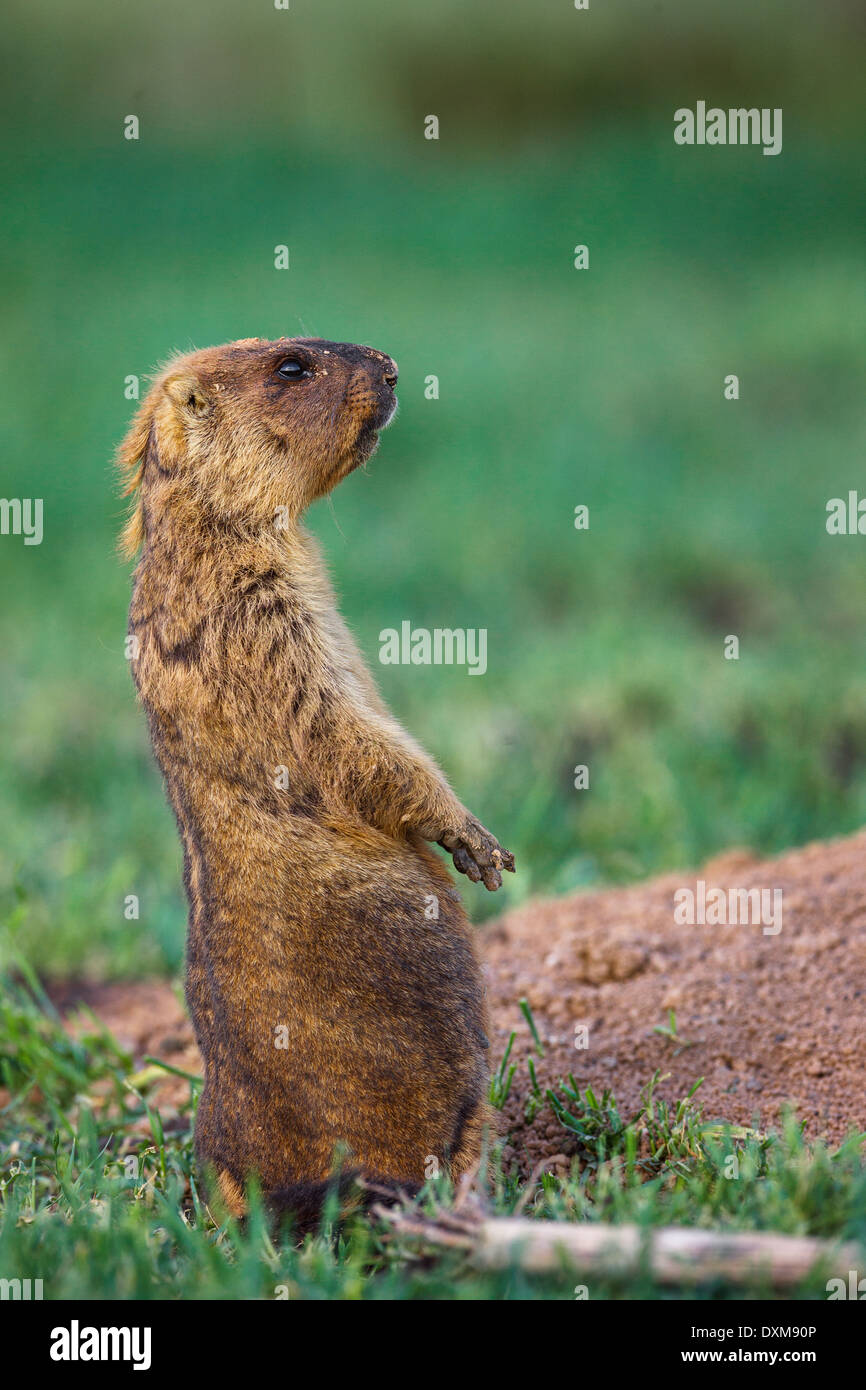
(670, 1254)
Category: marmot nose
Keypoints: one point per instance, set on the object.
(390, 373)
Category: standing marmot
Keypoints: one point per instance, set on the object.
(332, 1006)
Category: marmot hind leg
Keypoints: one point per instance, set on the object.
(303, 1202)
(232, 1195)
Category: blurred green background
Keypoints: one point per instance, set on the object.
(557, 387)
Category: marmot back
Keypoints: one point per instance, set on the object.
(331, 975)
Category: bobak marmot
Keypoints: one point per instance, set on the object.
(331, 974)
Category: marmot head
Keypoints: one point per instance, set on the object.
(241, 431)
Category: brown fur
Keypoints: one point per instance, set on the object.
(307, 920)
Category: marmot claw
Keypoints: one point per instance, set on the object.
(478, 854)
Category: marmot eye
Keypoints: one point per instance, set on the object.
(292, 369)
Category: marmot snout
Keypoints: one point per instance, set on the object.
(331, 973)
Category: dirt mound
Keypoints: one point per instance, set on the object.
(768, 1011)
(766, 1016)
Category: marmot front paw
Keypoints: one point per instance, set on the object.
(478, 854)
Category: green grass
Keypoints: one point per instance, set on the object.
(99, 1197)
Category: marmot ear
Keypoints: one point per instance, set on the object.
(187, 393)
